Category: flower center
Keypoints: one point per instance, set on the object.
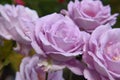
(45, 65)
(114, 51)
(116, 58)
(91, 11)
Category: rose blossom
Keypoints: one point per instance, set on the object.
(20, 2)
(58, 38)
(103, 57)
(29, 70)
(89, 14)
(12, 25)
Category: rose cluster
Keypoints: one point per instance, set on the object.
(84, 30)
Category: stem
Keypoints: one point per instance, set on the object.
(46, 76)
(70, 76)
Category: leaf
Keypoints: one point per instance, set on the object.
(15, 60)
(8, 56)
(5, 49)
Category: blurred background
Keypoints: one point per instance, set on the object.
(10, 60)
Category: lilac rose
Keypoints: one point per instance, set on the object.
(103, 56)
(58, 37)
(89, 14)
(29, 70)
(12, 25)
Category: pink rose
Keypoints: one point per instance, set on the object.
(29, 70)
(20, 2)
(57, 36)
(103, 57)
(12, 25)
(89, 14)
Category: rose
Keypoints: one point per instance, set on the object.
(12, 25)
(57, 36)
(21, 2)
(89, 14)
(103, 57)
(29, 70)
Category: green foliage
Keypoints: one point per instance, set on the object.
(44, 7)
(5, 49)
(5, 1)
(8, 56)
(15, 60)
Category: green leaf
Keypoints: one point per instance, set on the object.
(5, 49)
(15, 60)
